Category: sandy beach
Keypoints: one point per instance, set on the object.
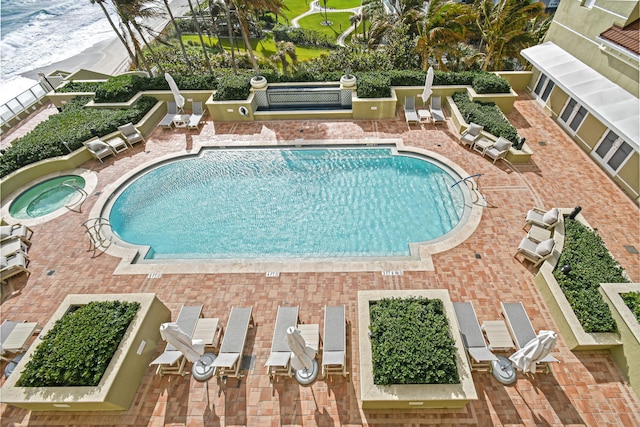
(109, 56)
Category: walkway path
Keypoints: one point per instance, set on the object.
(315, 7)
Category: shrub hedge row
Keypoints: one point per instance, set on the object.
(79, 347)
(74, 125)
(411, 342)
(122, 88)
(632, 300)
(487, 115)
(591, 264)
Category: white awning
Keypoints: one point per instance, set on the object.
(615, 107)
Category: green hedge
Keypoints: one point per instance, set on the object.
(233, 87)
(487, 115)
(373, 85)
(79, 347)
(591, 264)
(74, 125)
(632, 300)
(411, 342)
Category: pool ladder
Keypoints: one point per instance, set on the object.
(99, 231)
(77, 205)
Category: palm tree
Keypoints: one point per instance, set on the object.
(506, 27)
(243, 9)
(179, 34)
(133, 11)
(133, 57)
(204, 47)
(354, 20)
(444, 26)
(285, 49)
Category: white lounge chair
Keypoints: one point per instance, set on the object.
(471, 134)
(410, 114)
(334, 350)
(13, 265)
(13, 245)
(99, 149)
(15, 230)
(542, 218)
(229, 358)
(14, 336)
(131, 134)
(435, 108)
(195, 119)
(167, 120)
(172, 361)
(478, 353)
(522, 331)
(278, 361)
(498, 150)
(536, 252)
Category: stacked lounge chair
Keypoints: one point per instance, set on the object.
(172, 361)
(410, 114)
(435, 108)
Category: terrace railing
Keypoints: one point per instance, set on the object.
(17, 108)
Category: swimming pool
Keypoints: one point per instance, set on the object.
(287, 203)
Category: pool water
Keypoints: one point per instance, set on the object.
(288, 203)
(47, 197)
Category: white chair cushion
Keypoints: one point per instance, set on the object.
(545, 248)
(502, 144)
(96, 146)
(474, 129)
(551, 217)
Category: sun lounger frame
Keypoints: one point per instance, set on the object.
(229, 358)
(478, 353)
(280, 355)
(334, 349)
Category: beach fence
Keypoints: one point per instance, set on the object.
(16, 109)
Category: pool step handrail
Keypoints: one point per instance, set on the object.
(477, 175)
(95, 228)
(77, 205)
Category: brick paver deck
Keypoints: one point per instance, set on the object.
(586, 388)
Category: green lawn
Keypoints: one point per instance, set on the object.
(298, 7)
(340, 22)
(262, 48)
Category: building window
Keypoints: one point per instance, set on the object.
(573, 115)
(543, 88)
(612, 151)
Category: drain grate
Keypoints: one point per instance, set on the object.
(631, 249)
(154, 275)
(478, 256)
(392, 272)
(97, 193)
(273, 274)
(51, 272)
(542, 143)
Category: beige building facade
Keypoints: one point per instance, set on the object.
(586, 74)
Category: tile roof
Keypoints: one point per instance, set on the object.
(627, 37)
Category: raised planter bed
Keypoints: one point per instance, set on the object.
(567, 321)
(627, 355)
(413, 395)
(120, 382)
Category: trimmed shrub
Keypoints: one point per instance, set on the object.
(301, 36)
(74, 125)
(632, 300)
(490, 83)
(233, 87)
(487, 115)
(373, 85)
(120, 88)
(591, 264)
(76, 87)
(79, 347)
(411, 342)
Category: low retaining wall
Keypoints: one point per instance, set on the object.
(626, 356)
(122, 378)
(413, 396)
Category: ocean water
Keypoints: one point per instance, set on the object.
(37, 33)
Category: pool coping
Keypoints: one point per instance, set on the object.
(421, 252)
(90, 183)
